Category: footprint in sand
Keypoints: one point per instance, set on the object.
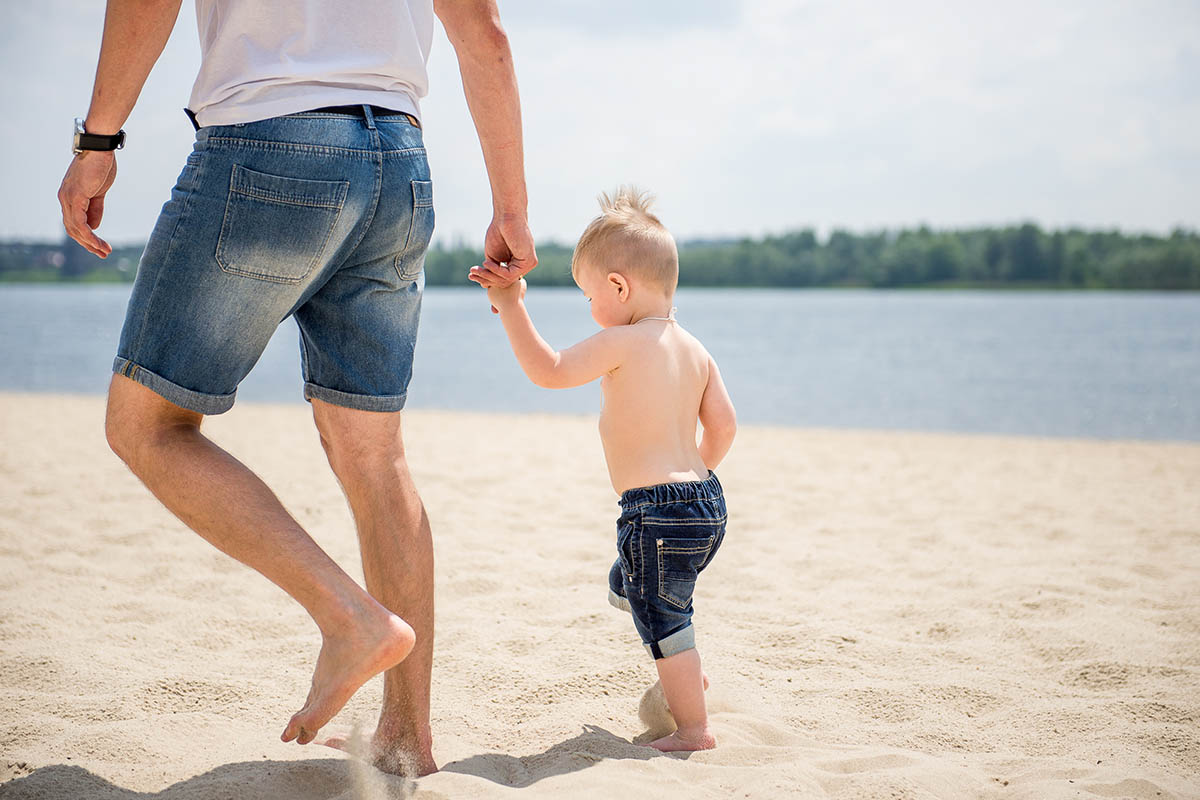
(877, 763)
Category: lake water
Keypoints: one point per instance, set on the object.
(1102, 365)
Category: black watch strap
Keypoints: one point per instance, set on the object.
(96, 141)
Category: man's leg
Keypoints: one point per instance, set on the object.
(219, 498)
(366, 452)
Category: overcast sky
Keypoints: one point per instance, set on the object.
(744, 118)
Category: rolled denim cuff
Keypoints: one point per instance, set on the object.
(359, 402)
(676, 643)
(616, 601)
(181, 396)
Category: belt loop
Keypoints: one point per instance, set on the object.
(370, 117)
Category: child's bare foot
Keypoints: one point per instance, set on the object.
(653, 710)
(395, 758)
(683, 687)
(685, 742)
(348, 659)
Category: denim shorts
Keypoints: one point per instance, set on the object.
(666, 536)
(320, 215)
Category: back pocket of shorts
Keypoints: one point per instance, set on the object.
(276, 228)
(411, 259)
(679, 562)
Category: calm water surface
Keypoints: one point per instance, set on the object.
(1106, 365)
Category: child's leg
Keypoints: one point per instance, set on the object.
(683, 683)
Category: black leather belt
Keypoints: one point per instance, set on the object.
(354, 111)
(357, 111)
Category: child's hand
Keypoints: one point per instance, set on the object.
(502, 298)
(486, 277)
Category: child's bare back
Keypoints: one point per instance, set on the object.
(651, 405)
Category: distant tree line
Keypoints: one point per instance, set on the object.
(65, 261)
(1022, 256)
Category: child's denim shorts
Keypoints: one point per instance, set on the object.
(666, 536)
(321, 216)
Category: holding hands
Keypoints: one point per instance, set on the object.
(508, 254)
(501, 297)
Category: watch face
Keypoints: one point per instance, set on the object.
(75, 139)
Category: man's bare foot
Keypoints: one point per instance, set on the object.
(348, 659)
(683, 742)
(393, 758)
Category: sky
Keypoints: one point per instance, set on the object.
(744, 118)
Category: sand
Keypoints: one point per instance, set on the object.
(893, 615)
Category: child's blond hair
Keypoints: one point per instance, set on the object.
(627, 238)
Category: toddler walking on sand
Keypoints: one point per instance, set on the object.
(657, 380)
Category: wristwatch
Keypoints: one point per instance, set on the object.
(95, 141)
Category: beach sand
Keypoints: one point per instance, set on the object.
(892, 615)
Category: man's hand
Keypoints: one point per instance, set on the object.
(504, 297)
(81, 196)
(508, 253)
(135, 32)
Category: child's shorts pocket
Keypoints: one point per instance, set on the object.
(679, 562)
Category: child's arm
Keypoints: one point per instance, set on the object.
(718, 418)
(575, 366)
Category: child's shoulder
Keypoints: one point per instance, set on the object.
(678, 342)
(638, 340)
(692, 342)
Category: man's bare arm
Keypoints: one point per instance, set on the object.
(490, 86)
(135, 33)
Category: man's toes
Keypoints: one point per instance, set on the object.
(296, 726)
(292, 730)
(305, 736)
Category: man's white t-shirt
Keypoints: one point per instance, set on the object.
(267, 58)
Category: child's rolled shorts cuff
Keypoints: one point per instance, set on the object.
(617, 601)
(677, 642)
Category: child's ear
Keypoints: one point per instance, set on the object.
(618, 281)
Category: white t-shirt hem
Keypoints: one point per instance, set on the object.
(318, 97)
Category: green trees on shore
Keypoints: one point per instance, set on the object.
(1022, 256)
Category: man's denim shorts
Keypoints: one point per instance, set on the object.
(666, 536)
(320, 215)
